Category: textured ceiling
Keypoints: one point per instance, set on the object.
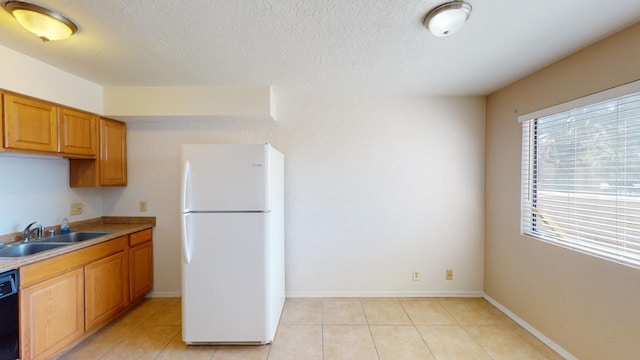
(318, 46)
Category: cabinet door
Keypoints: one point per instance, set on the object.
(51, 315)
(30, 124)
(3, 96)
(78, 132)
(113, 153)
(106, 289)
(140, 270)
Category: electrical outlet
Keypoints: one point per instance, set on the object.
(415, 276)
(76, 209)
(142, 206)
(449, 274)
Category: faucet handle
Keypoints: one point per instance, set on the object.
(26, 233)
(29, 226)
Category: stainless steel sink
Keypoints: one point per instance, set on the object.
(25, 249)
(53, 242)
(74, 237)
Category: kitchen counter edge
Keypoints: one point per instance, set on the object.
(117, 226)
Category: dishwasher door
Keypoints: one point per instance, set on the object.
(9, 314)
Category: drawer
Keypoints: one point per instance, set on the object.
(45, 269)
(139, 237)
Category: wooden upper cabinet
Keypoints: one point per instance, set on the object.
(113, 153)
(96, 147)
(110, 168)
(78, 132)
(30, 124)
(33, 125)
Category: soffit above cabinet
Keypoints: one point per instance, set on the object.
(134, 103)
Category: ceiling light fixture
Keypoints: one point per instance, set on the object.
(447, 18)
(44, 23)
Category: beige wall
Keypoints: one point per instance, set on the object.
(588, 306)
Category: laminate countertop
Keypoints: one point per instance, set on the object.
(117, 226)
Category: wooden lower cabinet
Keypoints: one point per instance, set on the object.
(106, 292)
(65, 297)
(140, 264)
(52, 315)
(141, 270)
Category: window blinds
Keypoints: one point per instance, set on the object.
(581, 179)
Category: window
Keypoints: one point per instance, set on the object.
(581, 175)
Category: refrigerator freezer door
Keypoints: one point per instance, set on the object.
(225, 177)
(226, 283)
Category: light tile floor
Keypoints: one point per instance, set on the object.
(331, 328)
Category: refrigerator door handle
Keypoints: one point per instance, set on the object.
(185, 182)
(186, 252)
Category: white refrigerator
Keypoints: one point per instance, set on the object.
(232, 209)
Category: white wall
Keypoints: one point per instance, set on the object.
(375, 188)
(36, 188)
(26, 75)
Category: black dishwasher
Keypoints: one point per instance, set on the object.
(9, 315)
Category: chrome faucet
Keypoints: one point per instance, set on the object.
(26, 233)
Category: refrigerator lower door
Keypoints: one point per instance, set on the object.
(227, 283)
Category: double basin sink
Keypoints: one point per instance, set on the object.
(49, 243)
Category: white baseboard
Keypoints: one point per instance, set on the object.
(363, 294)
(381, 294)
(164, 294)
(555, 347)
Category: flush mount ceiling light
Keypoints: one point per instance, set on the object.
(44, 23)
(447, 18)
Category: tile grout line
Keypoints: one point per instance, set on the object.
(475, 341)
(117, 341)
(167, 345)
(366, 318)
(170, 340)
(271, 345)
(467, 332)
(415, 327)
(120, 339)
(161, 308)
(406, 312)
